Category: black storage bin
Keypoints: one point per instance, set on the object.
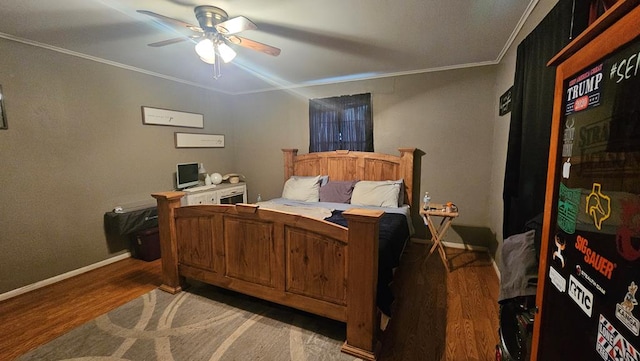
(130, 222)
(146, 244)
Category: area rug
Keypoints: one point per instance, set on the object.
(203, 323)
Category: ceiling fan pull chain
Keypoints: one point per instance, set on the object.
(216, 68)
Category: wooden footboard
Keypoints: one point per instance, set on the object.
(305, 263)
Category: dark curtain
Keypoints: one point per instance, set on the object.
(343, 122)
(532, 111)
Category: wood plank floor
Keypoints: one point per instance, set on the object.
(39, 316)
(438, 315)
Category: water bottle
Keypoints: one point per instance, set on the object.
(259, 199)
(426, 200)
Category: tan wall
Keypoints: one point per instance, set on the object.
(76, 147)
(446, 115)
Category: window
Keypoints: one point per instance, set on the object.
(343, 122)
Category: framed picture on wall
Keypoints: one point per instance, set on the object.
(157, 116)
(199, 140)
(3, 114)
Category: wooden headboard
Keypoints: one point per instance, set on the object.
(348, 165)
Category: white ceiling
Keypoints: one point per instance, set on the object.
(322, 41)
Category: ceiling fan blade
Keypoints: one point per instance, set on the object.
(172, 20)
(235, 25)
(173, 41)
(252, 44)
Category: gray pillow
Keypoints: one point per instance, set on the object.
(337, 191)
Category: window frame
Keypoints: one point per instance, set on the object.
(341, 123)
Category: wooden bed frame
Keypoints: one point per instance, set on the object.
(301, 262)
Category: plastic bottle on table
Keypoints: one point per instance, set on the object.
(259, 199)
(426, 200)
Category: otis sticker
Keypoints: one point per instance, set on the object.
(611, 346)
(557, 279)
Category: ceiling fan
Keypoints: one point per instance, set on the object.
(216, 30)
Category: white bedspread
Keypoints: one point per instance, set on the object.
(307, 211)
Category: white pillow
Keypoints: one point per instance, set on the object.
(306, 189)
(376, 193)
(324, 179)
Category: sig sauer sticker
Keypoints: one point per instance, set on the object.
(595, 259)
(611, 346)
(624, 310)
(568, 204)
(598, 206)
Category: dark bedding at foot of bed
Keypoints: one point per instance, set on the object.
(394, 233)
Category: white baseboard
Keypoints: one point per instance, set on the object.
(64, 276)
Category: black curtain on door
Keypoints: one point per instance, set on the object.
(532, 110)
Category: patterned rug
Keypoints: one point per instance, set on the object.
(204, 323)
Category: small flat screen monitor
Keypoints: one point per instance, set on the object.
(186, 175)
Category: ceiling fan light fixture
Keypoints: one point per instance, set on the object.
(206, 50)
(209, 60)
(226, 53)
(216, 30)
